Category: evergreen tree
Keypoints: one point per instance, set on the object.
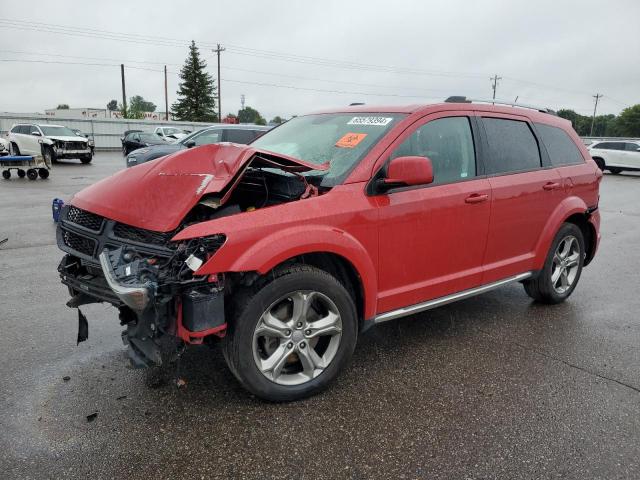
(196, 100)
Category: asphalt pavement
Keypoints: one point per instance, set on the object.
(492, 387)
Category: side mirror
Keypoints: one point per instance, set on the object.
(408, 171)
(190, 144)
(36, 133)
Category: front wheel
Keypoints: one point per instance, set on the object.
(615, 170)
(562, 268)
(49, 155)
(291, 336)
(86, 159)
(14, 150)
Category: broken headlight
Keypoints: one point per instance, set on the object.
(194, 252)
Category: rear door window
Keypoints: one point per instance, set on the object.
(559, 145)
(239, 136)
(448, 143)
(512, 146)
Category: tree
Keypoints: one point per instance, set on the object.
(603, 126)
(196, 100)
(629, 121)
(62, 106)
(250, 115)
(112, 105)
(139, 104)
(277, 120)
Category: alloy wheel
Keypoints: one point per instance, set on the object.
(566, 264)
(297, 337)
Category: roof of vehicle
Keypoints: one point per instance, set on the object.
(530, 112)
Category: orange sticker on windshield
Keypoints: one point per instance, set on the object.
(350, 140)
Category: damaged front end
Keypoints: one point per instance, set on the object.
(152, 280)
(147, 277)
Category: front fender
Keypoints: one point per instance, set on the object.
(273, 249)
(569, 206)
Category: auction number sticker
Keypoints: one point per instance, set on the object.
(380, 121)
(350, 140)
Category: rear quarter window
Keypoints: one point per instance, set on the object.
(512, 146)
(561, 149)
(240, 136)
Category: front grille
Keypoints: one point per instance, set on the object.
(80, 244)
(74, 145)
(140, 235)
(84, 219)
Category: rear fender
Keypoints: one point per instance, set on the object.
(272, 250)
(569, 206)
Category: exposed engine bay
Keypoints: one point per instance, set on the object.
(163, 303)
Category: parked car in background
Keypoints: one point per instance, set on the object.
(288, 248)
(4, 146)
(54, 142)
(616, 156)
(242, 134)
(136, 140)
(92, 144)
(170, 134)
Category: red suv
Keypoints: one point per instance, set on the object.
(288, 248)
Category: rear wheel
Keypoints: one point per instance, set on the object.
(32, 174)
(562, 268)
(291, 335)
(615, 170)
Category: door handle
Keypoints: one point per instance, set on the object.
(477, 198)
(551, 186)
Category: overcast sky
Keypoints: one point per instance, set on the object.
(551, 53)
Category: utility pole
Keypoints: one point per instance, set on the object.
(242, 101)
(218, 50)
(124, 93)
(495, 79)
(597, 96)
(166, 98)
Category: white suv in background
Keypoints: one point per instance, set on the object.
(51, 141)
(170, 134)
(617, 155)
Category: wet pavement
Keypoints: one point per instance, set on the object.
(492, 387)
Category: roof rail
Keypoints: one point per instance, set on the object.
(463, 99)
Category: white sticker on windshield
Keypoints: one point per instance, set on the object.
(369, 121)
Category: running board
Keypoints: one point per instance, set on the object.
(438, 302)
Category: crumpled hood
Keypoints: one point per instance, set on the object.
(157, 195)
(67, 139)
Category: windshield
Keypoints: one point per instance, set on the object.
(341, 139)
(150, 138)
(57, 131)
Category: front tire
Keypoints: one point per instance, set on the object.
(86, 159)
(562, 268)
(49, 155)
(615, 170)
(291, 333)
(14, 150)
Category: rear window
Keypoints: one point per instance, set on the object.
(561, 149)
(512, 146)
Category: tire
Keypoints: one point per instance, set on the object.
(325, 354)
(600, 163)
(32, 174)
(614, 170)
(543, 288)
(86, 159)
(49, 155)
(14, 150)
(124, 151)
(6, 174)
(21, 173)
(43, 172)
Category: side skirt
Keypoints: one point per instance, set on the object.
(454, 297)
